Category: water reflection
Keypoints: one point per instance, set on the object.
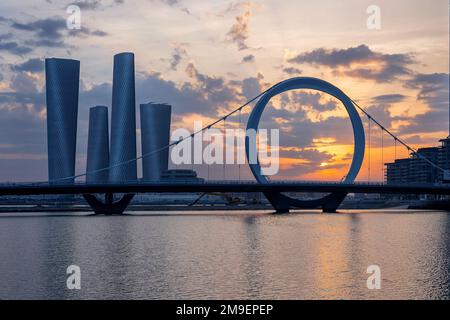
(252, 258)
(218, 256)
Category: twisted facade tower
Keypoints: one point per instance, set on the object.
(98, 146)
(155, 135)
(123, 120)
(62, 85)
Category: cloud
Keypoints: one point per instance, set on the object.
(292, 71)
(359, 62)
(6, 36)
(33, 65)
(248, 59)
(389, 98)
(14, 48)
(95, 4)
(239, 31)
(174, 4)
(433, 90)
(429, 84)
(44, 28)
(87, 4)
(313, 100)
(23, 83)
(49, 43)
(170, 2)
(177, 55)
(49, 32)
(334, 57)
(216, 89)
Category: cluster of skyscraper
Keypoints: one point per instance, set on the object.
(115, 162)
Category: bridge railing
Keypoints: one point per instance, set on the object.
(225, 182)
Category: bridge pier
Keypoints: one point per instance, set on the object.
(283, 204)
(332, 203)
(278, 202)
(109, 207)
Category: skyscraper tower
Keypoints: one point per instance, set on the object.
(123, 120)
(98, 146)
(62, 84)
(155, 134)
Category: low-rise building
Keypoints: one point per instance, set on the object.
(416, 169)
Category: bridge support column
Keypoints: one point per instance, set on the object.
(333, 202)
(109, 207)
(282, 203)
(278, 202)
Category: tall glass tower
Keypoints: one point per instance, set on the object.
(155, 135)
(98, 146)
(123, 120)
(62, 84)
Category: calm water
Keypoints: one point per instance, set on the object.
(298, 256)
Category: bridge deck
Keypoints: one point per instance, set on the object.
(320, 187)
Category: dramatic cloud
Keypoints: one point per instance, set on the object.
(359, 62)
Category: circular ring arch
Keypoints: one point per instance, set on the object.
(319, 85)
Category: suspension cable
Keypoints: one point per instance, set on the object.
(411, 149)
(239, 152)
(382, 154)
(225, 146)
(395, 149)
(369, 149)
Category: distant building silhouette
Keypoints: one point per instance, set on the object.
(155, 135)
(98, 145)
(444, 157)
(62, 86)
(123, 120)
(180, 175)
(416, 170)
